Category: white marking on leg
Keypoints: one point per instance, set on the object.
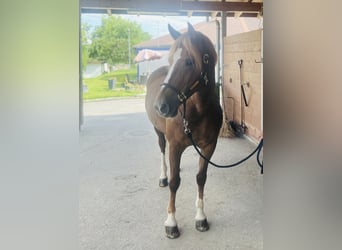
(171, 220)
(176, 57)
(200, 215)
(163, 167)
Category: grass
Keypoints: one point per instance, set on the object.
(98, 87)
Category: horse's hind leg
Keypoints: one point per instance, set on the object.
(201, 219)
(163, 167)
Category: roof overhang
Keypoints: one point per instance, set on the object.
(172, 8)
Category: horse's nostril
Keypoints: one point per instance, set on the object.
(164, 109)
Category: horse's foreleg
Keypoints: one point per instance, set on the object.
(163, 166)
(163, 170)
(171, 227)
(200, 218)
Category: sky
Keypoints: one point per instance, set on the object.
(154, 25)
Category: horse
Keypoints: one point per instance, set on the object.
(182, 96)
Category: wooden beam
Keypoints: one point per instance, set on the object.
(171, 6)
(221, 6)
(237, 14)
(124, 12)
(213, 14)
(148, 5)
(232, 14)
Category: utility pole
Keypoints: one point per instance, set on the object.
(129, 48)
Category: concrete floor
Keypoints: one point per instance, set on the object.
(121, 205)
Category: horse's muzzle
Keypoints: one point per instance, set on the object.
(165, 110)
(167, 103)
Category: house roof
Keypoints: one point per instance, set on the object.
(159, 43)
(234, 26)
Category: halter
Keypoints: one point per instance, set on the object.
(184, 95)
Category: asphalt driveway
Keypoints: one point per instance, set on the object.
(121, 205)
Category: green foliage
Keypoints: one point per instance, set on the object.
(119, 74)
(98, 87)
(85, 46)
(110, 40)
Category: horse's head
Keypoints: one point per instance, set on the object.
(192, 57)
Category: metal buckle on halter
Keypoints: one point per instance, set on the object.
(206, 58)
(205, 78)
(186, 128)
(181, 97)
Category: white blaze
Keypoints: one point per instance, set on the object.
(176, 57)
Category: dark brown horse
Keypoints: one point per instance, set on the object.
(190, 80)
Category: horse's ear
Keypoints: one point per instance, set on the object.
(174, 33)
(191, 29)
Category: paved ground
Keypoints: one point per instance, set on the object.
(121, 205)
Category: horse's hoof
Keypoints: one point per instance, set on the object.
(163, 182)
(172, 232)
(202, 225)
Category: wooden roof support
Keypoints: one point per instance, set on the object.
(237, 14)
(221, 6)
(170, 6)
(214, 14)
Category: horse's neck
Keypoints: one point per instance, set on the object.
(208, 92)
(205, 98)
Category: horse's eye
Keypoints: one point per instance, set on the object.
(189, 62)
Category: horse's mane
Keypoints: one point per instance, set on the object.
(196, 45)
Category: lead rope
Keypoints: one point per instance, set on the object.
(187, 131)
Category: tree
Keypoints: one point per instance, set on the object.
(85, 44)
(110, 41)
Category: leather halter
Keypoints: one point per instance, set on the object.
(184, 95)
